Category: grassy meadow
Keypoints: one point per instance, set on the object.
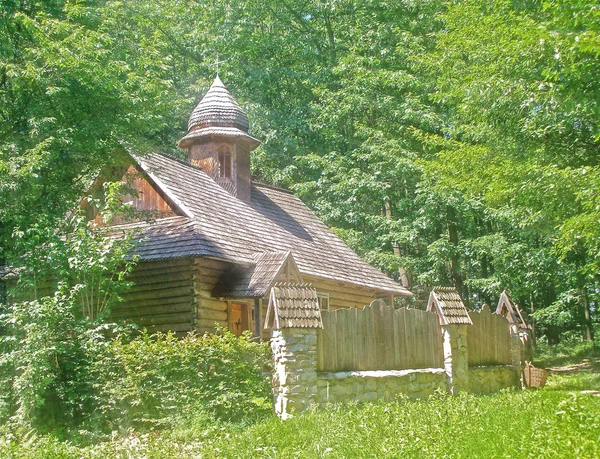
(558, 421)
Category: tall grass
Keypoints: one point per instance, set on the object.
(540, 424)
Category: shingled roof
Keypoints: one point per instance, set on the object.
(446, 302)
(255, 280)
(507, 308)
(293, 305)
(218, 114)
(218, 225)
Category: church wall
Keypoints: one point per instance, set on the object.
(209, 310)
(147, 201)
(342, 295)
(161, 298)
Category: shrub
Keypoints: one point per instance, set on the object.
(154, 380)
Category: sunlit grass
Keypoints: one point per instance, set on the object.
(547, 423)
(557, 421)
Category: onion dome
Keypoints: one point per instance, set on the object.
(218, 114)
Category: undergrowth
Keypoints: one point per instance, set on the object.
(541, 424)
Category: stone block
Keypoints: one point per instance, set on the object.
(413, 387)
(300, 347)
(311, 339)
(369, 396)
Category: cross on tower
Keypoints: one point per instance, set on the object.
(217, 62)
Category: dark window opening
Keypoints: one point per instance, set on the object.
(224, 154)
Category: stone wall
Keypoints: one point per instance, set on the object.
(295, 369)
(485, 380)
(297, 385)
(365, 386)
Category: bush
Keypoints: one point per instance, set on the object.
(155, 380)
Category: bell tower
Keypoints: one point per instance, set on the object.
(218, 141)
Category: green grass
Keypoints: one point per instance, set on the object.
(542, 424)
(555, 422)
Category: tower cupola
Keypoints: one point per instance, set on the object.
(218, 142)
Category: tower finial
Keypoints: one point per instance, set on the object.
(217, 62)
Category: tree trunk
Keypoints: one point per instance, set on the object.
(455, 272)
(395, 246)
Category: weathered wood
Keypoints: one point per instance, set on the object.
(137, 303)
(215, 305)
(211, 314)
(165, 319)
(155, 294)
(212, 263)
(120, 313)
(161, 265)
(488, 339)
(164, 277)
(211, 323)
(378, 338)
(170, 328)
(164, 285)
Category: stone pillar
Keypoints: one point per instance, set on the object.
(516, 351)
(295, 370)
(526, 345)
(456, 361)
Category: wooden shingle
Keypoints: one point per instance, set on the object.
(507, 308)
(255, 280)
(218, 225)
(446, 302)
(293, 305)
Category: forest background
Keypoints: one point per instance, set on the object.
(452, 143)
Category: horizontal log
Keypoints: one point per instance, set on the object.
(119, 313)
(212, 304)
(167, 293)
(160, 286)
(211, 314)
(160, 278)
(165, 319)
(169, 327)
(212, 264)
(206, 286)
(165, 262)
(202, 330)
(201, 294)
(335, 286)
(137, 273)
(211, 323)
(134, 303)
(347, 304)
(210, 272)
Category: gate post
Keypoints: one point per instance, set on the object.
(295, 370)
(456, 361)
(294, 314)
(454, 320)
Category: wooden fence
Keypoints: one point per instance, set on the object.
(379, 338)
(488, 339)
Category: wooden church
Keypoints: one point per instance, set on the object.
(218, 242)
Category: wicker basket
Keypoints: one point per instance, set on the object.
(535, 377)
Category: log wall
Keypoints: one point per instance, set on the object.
(209, 311)
(161, 298)
(342, 295)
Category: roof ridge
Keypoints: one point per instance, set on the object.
(272, 187)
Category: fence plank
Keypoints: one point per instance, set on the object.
(488, 339)
(378, 338)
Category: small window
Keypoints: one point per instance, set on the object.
(323, 300)
(224, 155)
